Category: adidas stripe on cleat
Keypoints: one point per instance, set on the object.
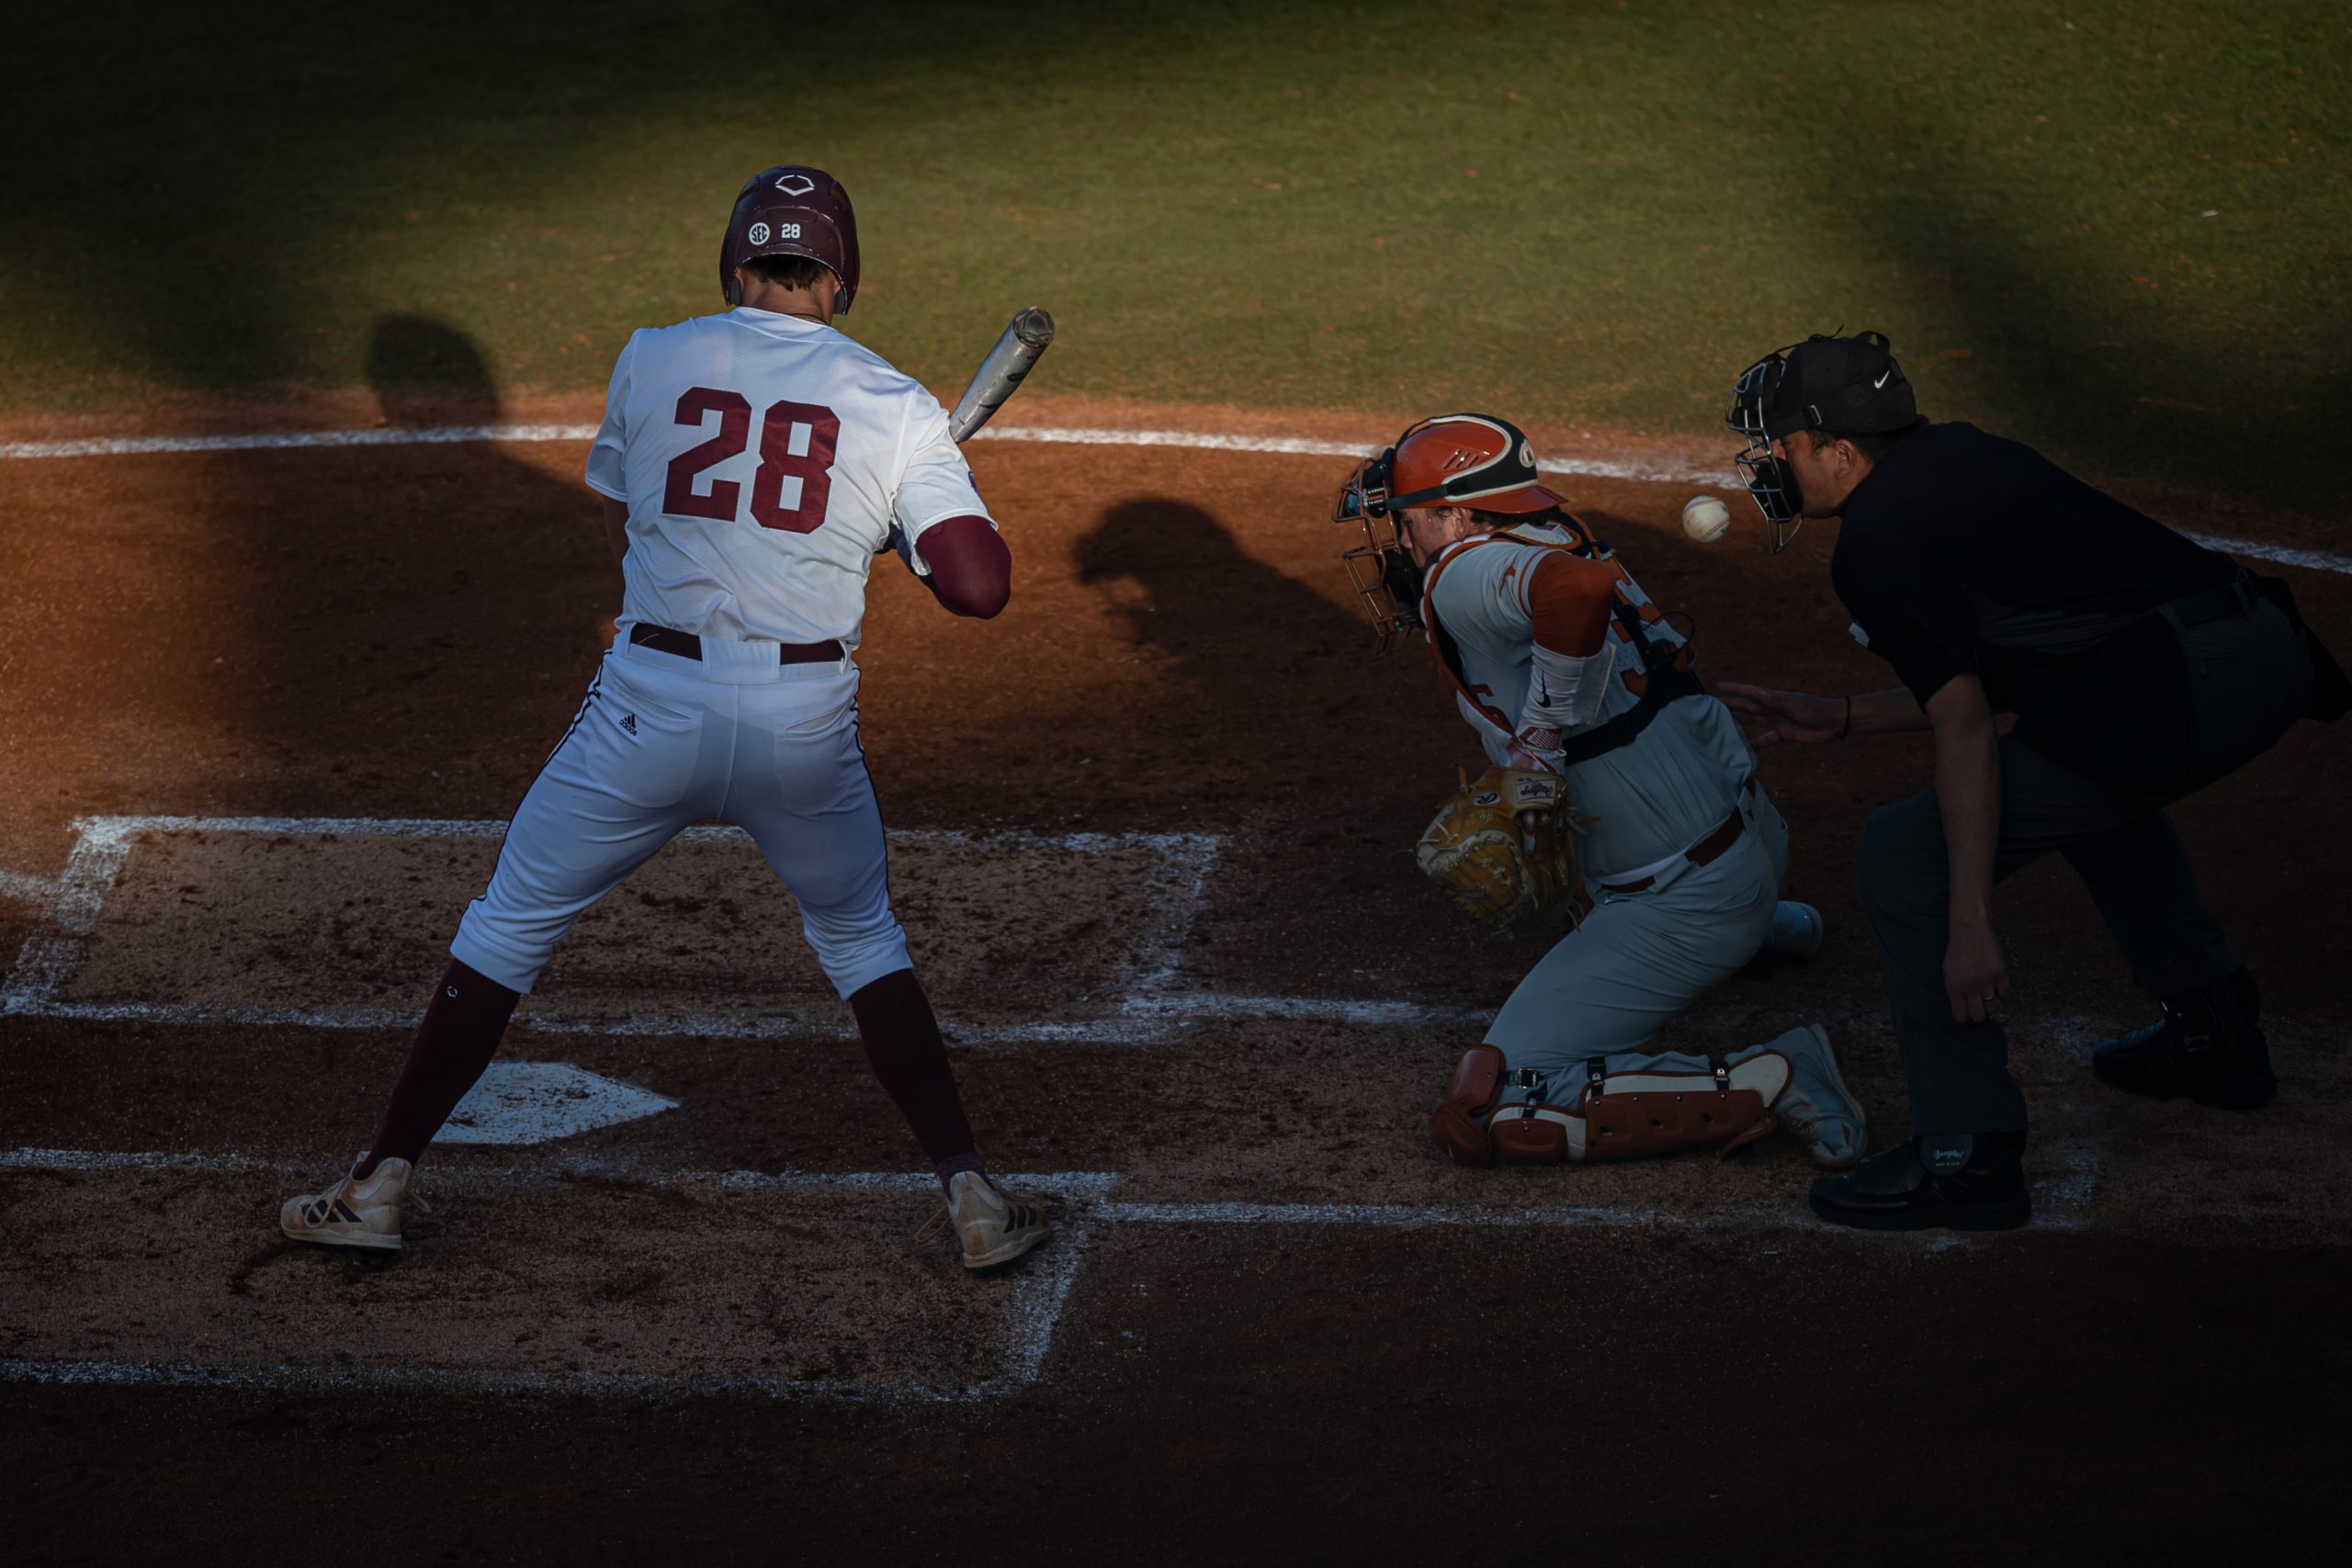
(353, 1213)
(992, 1228)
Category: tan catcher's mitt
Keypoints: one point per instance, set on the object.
(1505, 880)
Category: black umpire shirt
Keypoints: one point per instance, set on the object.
(1964, 554)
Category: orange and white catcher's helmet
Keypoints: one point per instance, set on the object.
(1454, 459)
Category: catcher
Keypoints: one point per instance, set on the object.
(1606, 752)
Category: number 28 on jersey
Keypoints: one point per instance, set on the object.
(794, 477)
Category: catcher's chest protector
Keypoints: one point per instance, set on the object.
(1636, 1114)
(1660, 671)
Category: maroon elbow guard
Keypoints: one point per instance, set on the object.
(971, 571)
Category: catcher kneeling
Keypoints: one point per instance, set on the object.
(1622, 798)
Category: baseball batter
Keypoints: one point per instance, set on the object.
(1573, 681)
(752, 465)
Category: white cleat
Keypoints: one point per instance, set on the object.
(364, 1214)
(992, 1228)
(1798, 930)
(1816, 1106)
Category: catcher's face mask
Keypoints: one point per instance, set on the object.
(1771, 484)
(1381, 570)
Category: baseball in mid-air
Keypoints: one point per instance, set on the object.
(1704, 518)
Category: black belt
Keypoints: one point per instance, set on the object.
(685, 644)
(2234, 597)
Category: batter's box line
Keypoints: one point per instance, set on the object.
(2066, 1180)
(72, 903)
(1040, 1291)
(1041, 1295)
(1164, 1021)
(1039, 1300)
(26, 889)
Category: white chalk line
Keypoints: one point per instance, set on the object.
(1304, 447)
(1150, 1009)
(1179, 884)
(48, 958)
(1165, 1019)
(2316, 560)
(2067, 1173)
(442, 435)
(1033, 1313)
(1039, 1300)
(272, 441)
(102, 832)
(26, 889)
(2067, 1181)
(1719, 477)
(528, 1173)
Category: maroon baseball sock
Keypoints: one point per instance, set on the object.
(903, 1044)
(460, 1034)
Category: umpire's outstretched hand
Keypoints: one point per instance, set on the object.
(1769, 717)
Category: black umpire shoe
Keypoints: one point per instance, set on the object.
(1963, 1181)
(2208, 1046)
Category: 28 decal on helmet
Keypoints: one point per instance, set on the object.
(792, 211)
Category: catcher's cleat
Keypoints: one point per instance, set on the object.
(2209, 1046)
(1456, 1124)
(355, 1214)
(1798, 930)
(1959, 1181)
(992, 1228)
(1817, 1106)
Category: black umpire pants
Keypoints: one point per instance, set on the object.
(2249, 678)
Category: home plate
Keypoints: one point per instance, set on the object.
(536, 1102)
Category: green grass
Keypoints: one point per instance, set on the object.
(1271, 204)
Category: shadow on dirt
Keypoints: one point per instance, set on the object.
(390, 605)
(1274, 683)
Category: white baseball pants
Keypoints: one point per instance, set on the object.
(662, 742)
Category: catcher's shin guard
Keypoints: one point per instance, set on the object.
(1527, 1131)
(1625, 1115)
(1531, 1133)
(1477, 1084)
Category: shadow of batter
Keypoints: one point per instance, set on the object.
(1270, 712)
(1274, 682)
(405, 621)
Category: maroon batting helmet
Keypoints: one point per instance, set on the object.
(792, 211)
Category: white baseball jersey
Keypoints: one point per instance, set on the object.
(765, 458)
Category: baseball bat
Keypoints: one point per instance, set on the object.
(1022, 343)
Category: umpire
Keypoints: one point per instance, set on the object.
(2140, 665)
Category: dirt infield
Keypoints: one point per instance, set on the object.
(262, 712)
